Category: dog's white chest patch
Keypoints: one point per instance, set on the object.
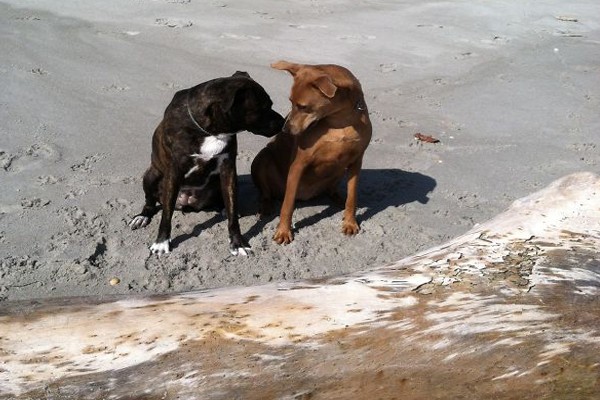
(213, 146)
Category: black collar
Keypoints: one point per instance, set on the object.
(187, 104)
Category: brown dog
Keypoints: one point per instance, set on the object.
(325, 135)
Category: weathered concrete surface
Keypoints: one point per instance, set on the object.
(508, 310)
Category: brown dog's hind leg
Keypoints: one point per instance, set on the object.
(349, 224)
(152, 178)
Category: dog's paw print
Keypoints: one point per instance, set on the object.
(116, 204)
(115, 88)
(28, 18)
(6, 160)
(34, 203)
(173, 22)
(38, 71)
(387, 68)
(87, 164)
(28, 158)
(43, 180)
(239, 37)
(357, 38)
(169, 86)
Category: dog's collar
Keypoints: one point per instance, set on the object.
(187, 104)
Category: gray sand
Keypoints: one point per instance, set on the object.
(511, 90)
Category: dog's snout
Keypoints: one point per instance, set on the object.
(291, 126)
(278, 121)
(269, 125)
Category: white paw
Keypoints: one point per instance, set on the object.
(241, 251)
(163, 247)
(139, 221)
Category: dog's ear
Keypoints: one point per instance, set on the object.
(325, 85)
(219, 110)
(241, 73)
(286, 66)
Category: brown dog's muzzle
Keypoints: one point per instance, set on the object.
(295, 124)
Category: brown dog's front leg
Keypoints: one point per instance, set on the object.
(284, 235)
(349, 224)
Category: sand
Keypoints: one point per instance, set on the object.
(510, 89)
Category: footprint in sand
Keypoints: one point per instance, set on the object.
(28, 18)
(6, 160)
(588, 152)
(117, 204)
(87, 164)
(307, 26)
(173, 22)
(169, 86)
(239, 37)
(387, 68)
(463, 56)
(263, 14)
(29, 158)
(34, 203)
(43, 180)
(357, 38)
(129, 180)
(73, 194)
(115, 88)
(39, 71)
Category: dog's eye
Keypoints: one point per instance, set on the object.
(301, 107)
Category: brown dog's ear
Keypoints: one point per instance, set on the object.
(286, 66)
(325, 85)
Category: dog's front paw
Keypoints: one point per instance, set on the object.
(239, 247)
(350, 228)
(240, 251)
(159, 248)
(139, 221)
(283, 236)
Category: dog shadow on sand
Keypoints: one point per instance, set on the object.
(378, 189)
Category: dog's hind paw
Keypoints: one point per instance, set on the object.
(139, 221)
(163, 247)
